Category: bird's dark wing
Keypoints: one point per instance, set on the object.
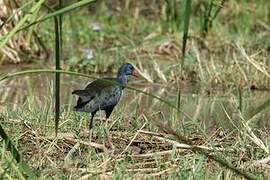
(94, 87)
(99, 84)
(81, 103)
(80, 92)
(92, 90)
(107, 98)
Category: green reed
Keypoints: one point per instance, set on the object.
(187, 15)
(211, 10)
(58, 56)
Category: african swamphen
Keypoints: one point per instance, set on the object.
(103, 94)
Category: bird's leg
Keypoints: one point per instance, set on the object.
(109, 138)
(90, 135)
(91, 127)
(108, 112)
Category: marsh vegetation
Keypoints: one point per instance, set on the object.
(200, 109)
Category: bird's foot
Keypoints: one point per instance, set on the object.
(108, 136)
(110, 149)
(106, 119)
(109, 145)
(89, 134)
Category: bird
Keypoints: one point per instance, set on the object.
(103, 94)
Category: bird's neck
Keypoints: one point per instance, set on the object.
(122, 79)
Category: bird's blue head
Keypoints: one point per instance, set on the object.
(125, 70)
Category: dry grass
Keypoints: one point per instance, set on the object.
(138, 153)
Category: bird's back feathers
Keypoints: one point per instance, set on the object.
(98, 94)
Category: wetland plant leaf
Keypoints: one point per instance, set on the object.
(22, 24)
(58, 57)
(4, 39)
(260, 108)
(23, 167)
(186, 26)
(59, 12)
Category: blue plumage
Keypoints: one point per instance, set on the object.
(103, 94)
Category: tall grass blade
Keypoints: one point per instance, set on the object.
(23, 167)
(59, 12)
(172, 14)
(217, 11)
(210, 15)
(14, 152)
(3, 173)
(12, 166)
(178, 97)
(4, 39)
(178, 105)
(58, 54)
(19, 9)
(187, 14)
(240, 99)
(21, 24)
(207, 16)
(61, 29)
(260, 108)
(31, 29)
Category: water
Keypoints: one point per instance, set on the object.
(206, 109)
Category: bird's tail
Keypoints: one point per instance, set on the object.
(78, 92)
(80, 104)
(83, 99)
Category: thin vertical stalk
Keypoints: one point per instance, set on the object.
(186, 27)
(240, 101)
(207, 17)
(58, 54)
(60, 27)
(217, 11)
(178, 105)
(173, 17)
(210, 15)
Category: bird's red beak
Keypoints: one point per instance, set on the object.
(135, 73)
